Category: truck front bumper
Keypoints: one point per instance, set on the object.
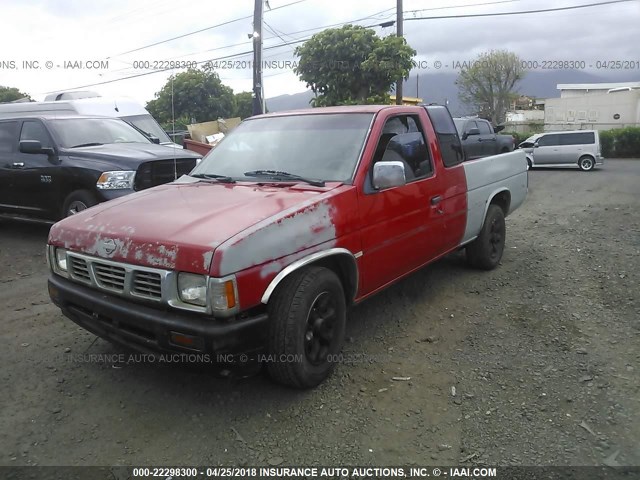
(153, 330)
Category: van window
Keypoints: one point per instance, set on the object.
(148, 125)
(548, 140)
(586, 138)
(8, 134)
(32, 130)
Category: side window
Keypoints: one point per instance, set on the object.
(32, 130)
(8, 133)
(548, 140)
(485, 128)
(470, 124)
(585, 138)
(447, 134)
(402, 141)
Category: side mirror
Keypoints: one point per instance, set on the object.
(499, 128)
(388, 175)
(473, 131)
(34, 146)
(535, 145)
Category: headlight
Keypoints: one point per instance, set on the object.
(118, 180)
(192, 289)
(58, 260)
(223, 294)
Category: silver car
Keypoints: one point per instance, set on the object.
(578, 148)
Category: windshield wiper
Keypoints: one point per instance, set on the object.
(91, 144)
(211, 176)
(276, 174)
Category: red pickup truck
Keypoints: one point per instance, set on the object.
(292, 218)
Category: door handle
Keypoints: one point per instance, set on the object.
(436, 200)
(17, 164)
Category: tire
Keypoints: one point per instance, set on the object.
(586, 163)
(485, 252)
(78, 201)
(529, 164)
(304, 337)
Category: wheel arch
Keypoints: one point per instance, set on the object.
(501, 198)
(340, 260)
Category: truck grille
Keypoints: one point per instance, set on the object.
(151, 174)
(115, 277)
(109, 276)
(79, 269)
(147, 284)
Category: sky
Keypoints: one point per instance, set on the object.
(60, 45)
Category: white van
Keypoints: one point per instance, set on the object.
(124, 108)
(576, 148)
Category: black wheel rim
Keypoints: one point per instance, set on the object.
(75, 207)
(320, 329)
(496, 238)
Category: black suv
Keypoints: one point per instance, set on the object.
(53, 166)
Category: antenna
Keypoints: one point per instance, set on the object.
(173, 131)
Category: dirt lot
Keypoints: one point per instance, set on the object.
(542, 354)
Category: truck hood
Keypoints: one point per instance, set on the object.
(179, 226)
(128, 155)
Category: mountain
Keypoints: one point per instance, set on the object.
(441, 87)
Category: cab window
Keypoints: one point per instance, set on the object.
(402, 140)
(33, 130)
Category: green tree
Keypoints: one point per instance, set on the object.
(488, 83)
(198, 96)
(352, 65)
(244, 105)
(9, 94)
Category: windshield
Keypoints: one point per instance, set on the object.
(76, 132)
(148, 125)
(321, 147)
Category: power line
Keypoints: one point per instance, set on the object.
(525, 12)
(201, 30)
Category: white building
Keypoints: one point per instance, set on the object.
(600, 106)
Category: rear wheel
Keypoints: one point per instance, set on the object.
(586, 163)
(485, 252)
(307, 321)
(529, 164)
(78, 201)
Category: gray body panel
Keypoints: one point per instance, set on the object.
(487, 177)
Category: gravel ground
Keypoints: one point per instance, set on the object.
(534, 363)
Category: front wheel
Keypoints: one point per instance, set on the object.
(485, 252)
(586, 163)
(78, 201)
(307, 316)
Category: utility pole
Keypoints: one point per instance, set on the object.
(258, 100)
(400, 33)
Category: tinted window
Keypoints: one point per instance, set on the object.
(578, 138)
(32, 130)
(485, 128)
(470, 124)
(447, 132)
(548, 140)
(8, 134)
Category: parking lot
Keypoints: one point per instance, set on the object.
(534, 363)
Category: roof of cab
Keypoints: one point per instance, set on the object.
(340, 109)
